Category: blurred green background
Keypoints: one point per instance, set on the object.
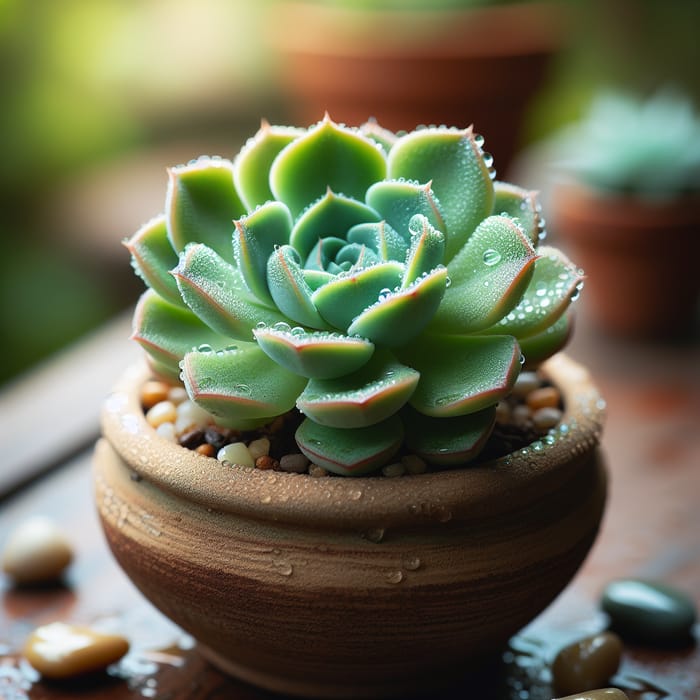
(97, 97)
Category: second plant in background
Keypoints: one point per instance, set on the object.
(629, 211)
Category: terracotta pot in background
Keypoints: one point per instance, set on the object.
(351, 587)
(641, 259)
(480, 66)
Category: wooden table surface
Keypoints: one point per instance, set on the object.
(651, 529)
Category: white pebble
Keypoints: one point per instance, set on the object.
(525, 383)
(167, 431)
(189, 416)
(394, 469)
(37, 551)
(236, 453)
(178, 394)
(259, 447)
(162, 412)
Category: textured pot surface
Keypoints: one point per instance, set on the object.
(342, 587)
(640, 258)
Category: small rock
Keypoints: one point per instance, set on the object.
(602, 694)
(153, 392)
(649, 612)
(546, 417)
(162, 412)
(587, 664)
(316, 471)
(393, 470)
(526, 383)
(36, 552)
(266, 462)
(60, 650)
(295, 462)
(259, 447)
(544, 396)
(236, 453)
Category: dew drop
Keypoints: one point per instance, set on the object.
(491, 257)
(412, 564)
(281, 327)
(261, 325)
(375, 535)
(394, 576)
(355, 495)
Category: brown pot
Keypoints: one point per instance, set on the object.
(640, 258)
(478, 66)
(351, 587)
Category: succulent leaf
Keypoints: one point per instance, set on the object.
(352, 451)
(448, 442)
(347, 296)
(398, 201)
(426, 252)
(289, 288)
(331, 215)
(554, 283)
(417, 285)
(488, 277)
(453, 162)
(214, 290)
(538, 347)
(314, 354)
(254, 240)
(251, 167)
(153, 258)
(381, 238)
(201, 205)
(381, 136)
(401, 315)
(365, 397)
(511, 200)
(461, 374)
(166, 332)
(328, 156)
(240, 384)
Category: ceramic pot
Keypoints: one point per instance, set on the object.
(640, 259)
(351, 587)
(480, 66)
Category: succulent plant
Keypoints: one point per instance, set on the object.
(385, 285)
(630, 145)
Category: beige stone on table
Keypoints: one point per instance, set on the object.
(61, 650)
(36, 552)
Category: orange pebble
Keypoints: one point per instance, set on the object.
(205, 449)
(153, 392)
(546, 396)
(266, 462)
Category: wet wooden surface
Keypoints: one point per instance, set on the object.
(651, 530)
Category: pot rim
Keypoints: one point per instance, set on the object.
(467, 493)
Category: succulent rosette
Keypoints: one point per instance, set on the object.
(384, 285)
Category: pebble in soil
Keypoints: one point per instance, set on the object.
(60, 650)
(36, 552)
(587, 664)
(648, 612)
(528, 414)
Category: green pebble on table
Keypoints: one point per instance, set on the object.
(649, 612)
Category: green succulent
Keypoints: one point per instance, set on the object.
(383, 284)
(635, 146)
